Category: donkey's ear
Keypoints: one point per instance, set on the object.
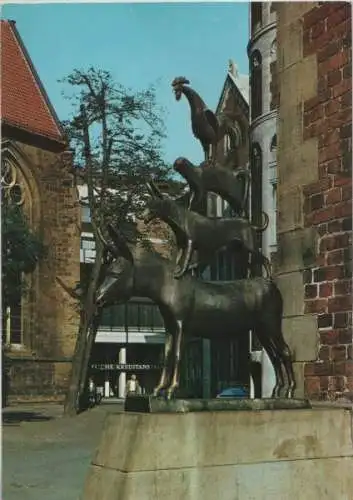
(154, 190)
(120, 242)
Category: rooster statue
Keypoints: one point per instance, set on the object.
(206, 126)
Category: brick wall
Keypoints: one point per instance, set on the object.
(328, 200)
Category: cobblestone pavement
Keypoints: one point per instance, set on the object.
(46, 455)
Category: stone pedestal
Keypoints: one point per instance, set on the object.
(150, 404)
(229, 455)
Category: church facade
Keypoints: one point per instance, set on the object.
(40, 329)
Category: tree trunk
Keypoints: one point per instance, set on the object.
(72, 400)
(89, 322)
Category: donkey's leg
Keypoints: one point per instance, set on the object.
(287, 361)
(267, 265)
(285, 357)
(187, 259)
(281, 349)
(276, 363)
(177, 355)
(162, 384)
(191, 199)
(179, 256)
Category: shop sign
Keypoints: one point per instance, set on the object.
(123, 367)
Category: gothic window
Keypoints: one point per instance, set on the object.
(273, 222)
(274, 88)
(11, 185)
(215, 205)
(256, 84)
(256, 16)
(273, 151)
(14, 190)
(273, 51)
(229, 143)
(233, 139)
(256, 191)
(256, 183)
(273, 146)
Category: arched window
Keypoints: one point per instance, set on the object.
(14, 191)
(12, 186)
(273, 51)
(232, 142)
(273, 221)
(256, 193)
(274, 88)
(229, 143)
(256, 84)
(256, 16)
(273, 146)
(233, 139)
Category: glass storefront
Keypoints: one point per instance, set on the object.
(144, 360)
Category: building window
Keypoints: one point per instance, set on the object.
(273, 222)
(228, 144)
(136, 315)
(85, 213)
(256, 16)
(256, 84)
(88, 249)
(273, 151)
(233, 139)
(273, 51)
(215, 205)
(273, 146)
(11, 185)
(14, 190)
(256, 192)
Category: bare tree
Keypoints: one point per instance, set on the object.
(116, 135)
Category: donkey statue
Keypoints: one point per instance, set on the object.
(193, 307)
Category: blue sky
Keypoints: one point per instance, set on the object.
(140, 44)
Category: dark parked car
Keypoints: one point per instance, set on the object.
(237, 392)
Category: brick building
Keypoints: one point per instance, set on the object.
(37, 174)
(312, 86)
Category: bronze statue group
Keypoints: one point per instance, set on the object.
(189, 305)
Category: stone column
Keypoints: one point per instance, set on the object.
(122, 376)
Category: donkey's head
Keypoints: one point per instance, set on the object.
(117, 284)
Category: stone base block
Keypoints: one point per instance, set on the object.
(228, 455)
(150, 404)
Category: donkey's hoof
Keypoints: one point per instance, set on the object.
(157, 390)
(276, 393)
(289, 393)
(171, 392)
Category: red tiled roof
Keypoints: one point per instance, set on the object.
(24, 102)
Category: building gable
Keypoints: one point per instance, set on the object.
(24, 103)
